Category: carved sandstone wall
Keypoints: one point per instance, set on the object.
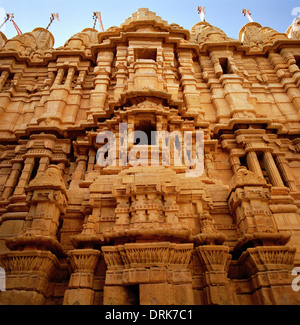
(72, 232)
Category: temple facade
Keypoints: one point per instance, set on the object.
(73, 231)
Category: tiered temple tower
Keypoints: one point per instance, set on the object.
(75, 232)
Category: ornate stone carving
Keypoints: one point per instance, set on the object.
(83, 263)
(167, 237)
(161, 254)
(214, 258)
(203, 32)
(260, 259)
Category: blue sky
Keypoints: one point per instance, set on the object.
(76, 15)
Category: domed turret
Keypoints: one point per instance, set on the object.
(82, 40)
(203, 32)
(33, 44)
(256, 36)
(44, 39)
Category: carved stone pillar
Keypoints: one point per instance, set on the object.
(189, 82)
(91, 160)
(43, 165)
(235, 162)
(24, 178)
(269, 269)
(249, 206)
(80, 289)
(168, 72)
(47, 199)
(215, 260)
(286, 173)
(70, 76)
(121, 70)
(12, 180)
(28, 275)
(253, 163)
(56, 103)
(3, 78)
(272, 170)
(101, 81)
(81, 168)
(59, 76)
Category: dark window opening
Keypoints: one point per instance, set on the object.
(34, 169)
(71, 155)
(133, 294)
(75, 79)
(243, 161)
(226, 67)
(64, 78)
(148, 129)
(145, 54)
(60, 225)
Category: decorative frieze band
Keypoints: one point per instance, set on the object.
(30, 262)
(137, 255)
(267, 258)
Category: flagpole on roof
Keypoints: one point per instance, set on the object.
(97, 16)
(11, 16)
(247, 13)
(6, 19)
(201, 12)
(52, 17)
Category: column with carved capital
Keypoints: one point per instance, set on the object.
(269, 270)
(24, 178)
(189, 83)
(56, 104)
(47, 200)
(215, 261)
(155, 273)
(81, 168)
(12, 180)
(80, 289)
(100, 92)
(249, 206)
(28, 276)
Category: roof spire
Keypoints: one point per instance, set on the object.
(201, 12)
(247, 13)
